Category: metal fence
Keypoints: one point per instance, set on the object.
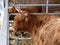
(4, 33)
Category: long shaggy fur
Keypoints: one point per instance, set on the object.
(44, 28)
(32, 9)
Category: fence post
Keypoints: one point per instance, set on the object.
(4, 30)
(47, 6)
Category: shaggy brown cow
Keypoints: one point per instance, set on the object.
(32, 9)
(44, 28)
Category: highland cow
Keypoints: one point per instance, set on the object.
(31, 9)
(44, 28)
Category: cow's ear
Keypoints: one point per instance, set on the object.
(24, 13)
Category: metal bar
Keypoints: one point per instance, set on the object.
(53, 13)
(4, 39)
(34, 13)
(13, 13)
(16, 41)
(7, 25)
(14, 38)
(53, 4)
(11, 21)
(35, 5)
(28, 5)
(46, 6)
(44, 13)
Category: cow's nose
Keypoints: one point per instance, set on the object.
(17, 32)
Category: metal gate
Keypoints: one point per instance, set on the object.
(4, 32)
